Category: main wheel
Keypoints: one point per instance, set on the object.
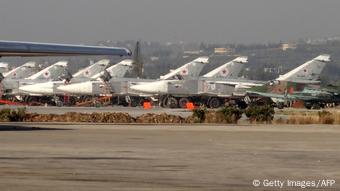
(172, 102)
(280, 105)
(164, 102)
(214, 103)
(316, 106)
(135, 102)
(183, 102)
(242, 104)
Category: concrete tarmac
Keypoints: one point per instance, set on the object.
(157, 157)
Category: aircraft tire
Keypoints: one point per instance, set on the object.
(316, 106)
(164, 102)
(214, 103)
(280, 106)
(183, 102)
(242, 104)
(172, 102)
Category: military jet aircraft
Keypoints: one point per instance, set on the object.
(120, 87)
(98, 85)
(50, 87)
(297, 80)
(218, 82)
(13, 79)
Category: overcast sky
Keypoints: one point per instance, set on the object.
(233, 21)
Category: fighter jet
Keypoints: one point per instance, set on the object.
(313, 98)
(50, 87)
(177, 92)
(226, 81)
(121, 87)
(11, 78)
(298, 79)
(189, 71)
(16, 74)
(14, 48)
(98, 85)
(214, 92)
(11, 83)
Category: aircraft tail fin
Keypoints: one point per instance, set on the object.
(52, 72)
(22, 71)
(310, 70)
(230, 70)
(119, 70)
(92, 70)
(189, 70)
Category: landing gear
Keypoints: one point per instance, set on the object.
(169, 102)
(172, 102)
(183, 102)
(314, 105)
(163, 101)
(241, 104)
(280, 105)
(214, 102)
(135, 102)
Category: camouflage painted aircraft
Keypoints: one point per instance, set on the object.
(294, 84)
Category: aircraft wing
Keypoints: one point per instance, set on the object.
(13, 48)
(263, 94)
(282, 96)
(235, 83)
(314, 82)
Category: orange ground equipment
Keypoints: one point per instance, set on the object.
(147, 105)
(190, 106)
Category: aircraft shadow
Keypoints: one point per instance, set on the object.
(28, 128)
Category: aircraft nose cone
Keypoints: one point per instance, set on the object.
(36, 89)
(25, 88)
(152, 87)
(78, 88)
(139, 88)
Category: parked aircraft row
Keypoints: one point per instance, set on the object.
(174, 89)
